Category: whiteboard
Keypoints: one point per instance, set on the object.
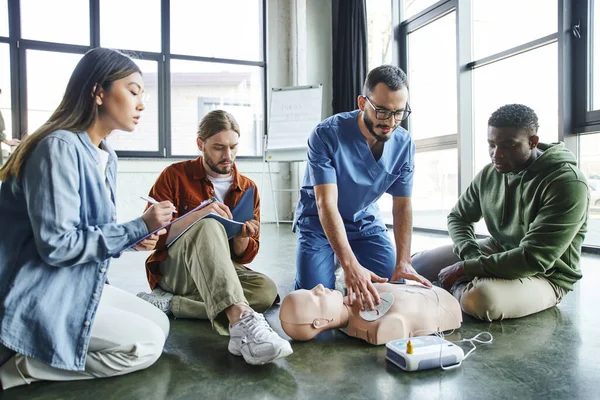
(295, 111)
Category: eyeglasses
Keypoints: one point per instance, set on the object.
(384, 113)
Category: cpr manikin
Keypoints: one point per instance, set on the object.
(405, 310)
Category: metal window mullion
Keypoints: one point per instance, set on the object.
(437, 143)
(94, 23)
(261, 141)
(164, 82)
(17, 71)
(514, 51)
(466, 137)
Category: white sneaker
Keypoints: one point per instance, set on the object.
(253, 338)
(159, 298)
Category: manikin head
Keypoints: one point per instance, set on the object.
(306, 313)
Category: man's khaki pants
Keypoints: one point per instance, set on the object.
(486, 298)
(206, 281)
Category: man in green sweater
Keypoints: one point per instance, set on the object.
(534, 201)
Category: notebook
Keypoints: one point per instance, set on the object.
(242, 212)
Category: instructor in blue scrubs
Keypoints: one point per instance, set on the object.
(353, 159)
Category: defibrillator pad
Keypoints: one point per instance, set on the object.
(387, 299)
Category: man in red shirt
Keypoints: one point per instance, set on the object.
(201, 275)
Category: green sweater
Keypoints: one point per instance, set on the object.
(537, 216)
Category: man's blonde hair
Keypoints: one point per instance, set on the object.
(215, 122)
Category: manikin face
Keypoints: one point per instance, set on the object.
(304, 313)
(510, 149)
(219, 152)
(121, 105)
(382, 98)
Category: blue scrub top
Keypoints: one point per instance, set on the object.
(338, 153)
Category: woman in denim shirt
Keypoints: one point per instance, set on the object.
(58, 204)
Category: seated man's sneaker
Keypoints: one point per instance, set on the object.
(253, 338)
(159, 298)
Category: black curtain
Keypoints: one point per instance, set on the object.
(349, 53)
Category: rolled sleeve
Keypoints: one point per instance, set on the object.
(320, 162)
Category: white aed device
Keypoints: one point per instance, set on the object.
(425, 352)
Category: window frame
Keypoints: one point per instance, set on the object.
(574, 92)
(18, 48)
(578, 29)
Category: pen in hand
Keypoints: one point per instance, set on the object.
(153, 201)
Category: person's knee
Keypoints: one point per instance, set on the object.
(482, 301)
(416, 260)
(429, 263)
(140, 353)
(163, 323)
(264, 295)
(209, 226)
(150, 348)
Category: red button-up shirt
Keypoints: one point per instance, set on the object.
(185, 184)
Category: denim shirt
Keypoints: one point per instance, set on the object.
(59, 232)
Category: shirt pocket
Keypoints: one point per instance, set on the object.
(188, 203)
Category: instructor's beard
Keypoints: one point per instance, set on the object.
(380, 137)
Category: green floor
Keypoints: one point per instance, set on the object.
(553, 354)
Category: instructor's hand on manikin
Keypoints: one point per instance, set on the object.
(404, 270)
(360, 287)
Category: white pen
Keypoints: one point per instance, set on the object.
(149, 199)
(153, 201)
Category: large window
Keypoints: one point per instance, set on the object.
(433, 124)
(199, 87)
(589, 163)
(529, 78)
(3, 18)
(589, 92)
(49, 21)
(595, 53)
(207, 55)
(529, 20)
(436, 187)
(145, 135)
(464, 61)
(133, 24)
(222, 29)
(412, 7)
(432, 76)
(379, 32)
(43, 94)
(5, 96)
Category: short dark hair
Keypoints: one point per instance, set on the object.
(391, 75)
(515, 116)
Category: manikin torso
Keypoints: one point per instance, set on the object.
(415, 311)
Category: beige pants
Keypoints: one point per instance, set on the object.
(491, 298)
(205, 281)
(128, 334)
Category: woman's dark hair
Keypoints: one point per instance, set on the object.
(78, 110)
